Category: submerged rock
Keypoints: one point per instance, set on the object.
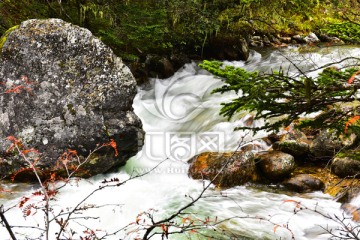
(275, 165)
(64, 89)
(304, 183)
(234, 168)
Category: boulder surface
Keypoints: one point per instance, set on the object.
(62, 88)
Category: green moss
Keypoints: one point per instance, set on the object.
(352, 154)
(6, 34)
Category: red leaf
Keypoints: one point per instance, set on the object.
(352, 78)
(26, 151)
(23, 201)
(112, 144)
(276, 227)
(351, 121)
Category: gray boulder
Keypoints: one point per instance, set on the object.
(64, 89)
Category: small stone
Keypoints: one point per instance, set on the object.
(45, 141)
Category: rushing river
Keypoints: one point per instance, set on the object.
(180, 118)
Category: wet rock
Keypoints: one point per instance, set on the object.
(275, 165)
(178, 60)
(229, 48)
(325, 145)
(304, 183)
(328, 39)
(140, 72)
(158, 66)
(346, 164)
(311, 38)
(239, 169)
(72, 93)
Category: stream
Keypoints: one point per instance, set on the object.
(181, 119)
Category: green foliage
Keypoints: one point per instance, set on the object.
(347, 31)
(137, 27)
(280, 99)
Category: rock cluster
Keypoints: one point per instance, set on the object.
(286, 163)
(278, 41)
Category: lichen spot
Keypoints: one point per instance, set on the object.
(5, 36)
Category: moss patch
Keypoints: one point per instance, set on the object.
(352, 154)
(6, 34)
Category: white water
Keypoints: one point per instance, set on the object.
(180, 118)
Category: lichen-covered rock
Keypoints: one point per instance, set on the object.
(325, 145)
(64, 89)
(239, 169)
(275, 165)
(346, 164)
(304, 183)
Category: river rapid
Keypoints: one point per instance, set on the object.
(181, 119)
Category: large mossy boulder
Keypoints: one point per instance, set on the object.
(225, 169)
(62, 88)
(275, 165)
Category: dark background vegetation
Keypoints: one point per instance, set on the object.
(135, 28)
